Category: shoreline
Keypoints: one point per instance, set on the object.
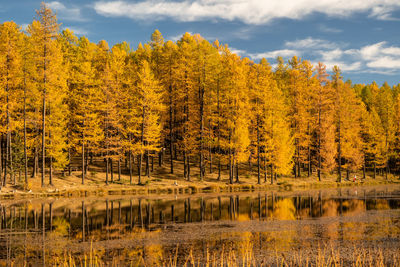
(205, 187)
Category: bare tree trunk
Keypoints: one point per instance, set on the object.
(142, 145)
(272, 173)
(265, 170)
(44, 121)
(119, 169)
(339, 154)
(25, 152)
(1, 156)
(188, 168)
(111, 170)
(107, 168)
(237, 172)
(130, 166)
(201, 100)
(364, 168)
(258, 152)
(219, 133)
(147, 163)
(35, 162)
(171, 145)
(374, 169)
(230, 160)
(83, 158)
(140, 168)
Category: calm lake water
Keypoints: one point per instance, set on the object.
(174, 230)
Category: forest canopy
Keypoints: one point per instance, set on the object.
(64, 97)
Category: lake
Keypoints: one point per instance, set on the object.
(320, 227)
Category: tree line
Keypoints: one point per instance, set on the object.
(62, 97)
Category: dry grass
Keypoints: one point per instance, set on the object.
(327, 256)
(162, 182)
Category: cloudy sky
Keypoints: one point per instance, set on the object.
(361, 36)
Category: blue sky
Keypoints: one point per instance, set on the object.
(360, 36)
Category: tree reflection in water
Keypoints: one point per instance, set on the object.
(251, 228)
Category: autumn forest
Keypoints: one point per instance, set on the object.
(65, 101)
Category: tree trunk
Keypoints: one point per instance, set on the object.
(69, 162)
(230, 160)
(272, 173)
(6, 163)
(237, 172)
(8, 150)
(218, 134)
(107, 168)
(1, 157)
(184, 164)
(83, 159)
(25, 152)
(148, 163)
(298, 162)
(87, 159)
(130, 167)
(171, 145)
(201, 100)
(188, 168)
(258, 152)
(339, 154)
(140, 168)
(35, 162)
(309, 162)
(119, 169)
(210, 155)
(51, 171)
(44, 119)
(364, 169)
(111, 170)
(265, 170)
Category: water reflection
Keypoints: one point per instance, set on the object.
(148, 230)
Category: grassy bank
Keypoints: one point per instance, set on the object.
(163, 183)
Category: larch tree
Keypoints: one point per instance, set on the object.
(10, 82)
(325, 146)
(235, 112)
(84, 96)
(385, 109)
(150, 106)
(47, 50)
(185, 117)
(298, 79)
(168, 79)
(273, 139)
(348, 124)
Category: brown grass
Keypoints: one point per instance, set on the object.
(162, 182)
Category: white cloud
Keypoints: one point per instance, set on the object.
(66, 13)
(327, 29)
(247, 11)
(344, 66)
(382, 13)
(78, 30)
(374, 58)
(285, 53)
(386, 62)
(237, 51)
(310, 43)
